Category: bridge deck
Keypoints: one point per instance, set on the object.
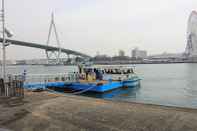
(45, 47)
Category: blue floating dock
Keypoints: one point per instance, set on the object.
(104, 87)
(43, 86)
(86, 86)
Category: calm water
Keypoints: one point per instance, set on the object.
(163, 84)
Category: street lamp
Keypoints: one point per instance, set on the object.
(4, 44)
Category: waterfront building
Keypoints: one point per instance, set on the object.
(138, 54)
(191, 48)
(20, 62)
(166, 55)
(101, 59)
(8, 62)
(36, 62)
(121, 53)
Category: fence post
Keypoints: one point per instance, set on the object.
(13, 87)
(2, 87)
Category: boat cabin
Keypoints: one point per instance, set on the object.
(106, 73)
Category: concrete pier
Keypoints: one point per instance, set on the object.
(43, 111)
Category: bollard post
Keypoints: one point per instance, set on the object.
(9, 86)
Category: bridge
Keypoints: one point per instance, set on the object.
(46, 47)
(53, 53)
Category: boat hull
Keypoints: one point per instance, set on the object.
(111, 85)
(95, 87)
(131, 83)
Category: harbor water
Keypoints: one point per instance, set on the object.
(162, 84)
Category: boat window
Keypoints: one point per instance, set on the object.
(125, 71)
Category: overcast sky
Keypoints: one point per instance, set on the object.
(100, 25)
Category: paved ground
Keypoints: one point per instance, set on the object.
(47, 112)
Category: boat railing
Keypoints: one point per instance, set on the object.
(45, 78)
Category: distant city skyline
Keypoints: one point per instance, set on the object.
(105, 26)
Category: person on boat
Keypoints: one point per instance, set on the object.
(119, 71)
(127, 71)
(97, 74)
(77, 76)
(105, 70)
(24, 75)
(115, 71)
(80, 69)
(100, 75)
(86, 74)
(108, 71)
(112, 71)
(93, 74)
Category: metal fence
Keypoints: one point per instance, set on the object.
(44, 78)
(12, 87)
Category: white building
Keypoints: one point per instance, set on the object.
(136, 53)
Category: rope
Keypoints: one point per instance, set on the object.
(82, 91)
(47, 89)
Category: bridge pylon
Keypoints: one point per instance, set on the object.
(53, 56)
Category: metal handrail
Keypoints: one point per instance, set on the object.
(43, 78)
